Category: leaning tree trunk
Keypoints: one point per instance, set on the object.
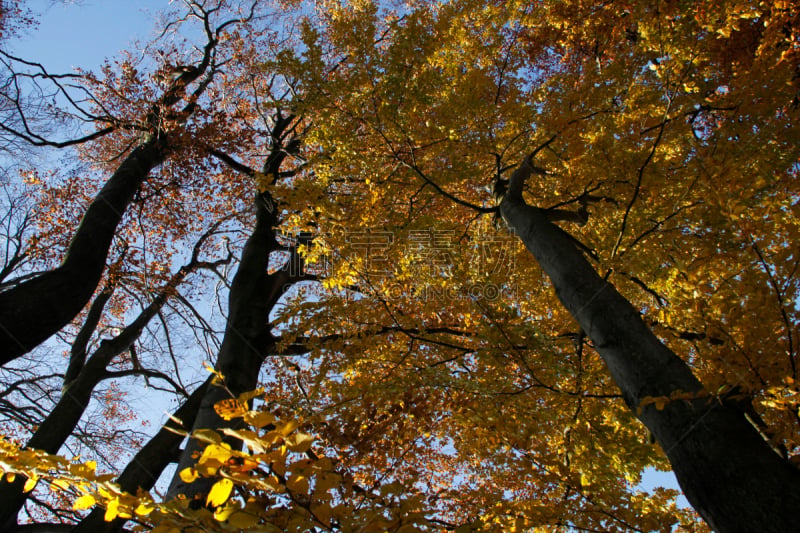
(39, 307)
(147, 465)
(729, 474)
(253, 294)
(59, 424)
(247, 338)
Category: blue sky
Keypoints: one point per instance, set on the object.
(83, 33)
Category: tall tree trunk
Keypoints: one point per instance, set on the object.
(729, 474)
(253, 294)
(147, 465)
(247, 337)
(37, 308)
(57, 427)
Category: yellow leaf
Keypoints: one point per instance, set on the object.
(112, 510)
(299, 442)
(188, 475)
(207, 435)
(230, 409)
(259, 419)
(222, 513)
(215, 452)
(250, 438)
(59, 484)
(327, 482)
(247, 396)
(10, 477)
(144, 508)
(273, 483)
(243, 520)
(84, 502)
(277, 460)
(324, 513)
(220, 492)
(288, 427)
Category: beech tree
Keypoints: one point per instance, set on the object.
(109, 341)
(636, 119)
(536, 244)
(36, 308)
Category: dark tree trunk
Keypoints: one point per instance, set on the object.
(247, 337)
(65, 415)
(37, 308)
(146, 466)
(727, 471)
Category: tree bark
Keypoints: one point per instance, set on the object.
(36, 309)
(247, 338)
(147, 465)
(729, 474)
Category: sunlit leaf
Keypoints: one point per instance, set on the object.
(86, 501)
(220, 492)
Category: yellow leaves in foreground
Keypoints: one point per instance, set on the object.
(279, 484)
(35, 465)
(258, 419)
(30, 483)
(87, 501)
(238, 518)
(238, 407)
(220, 492)
(299, 442)
(114, 509)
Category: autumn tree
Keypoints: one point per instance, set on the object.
(36, 308)
(646, 160)
(211, 157)
(628, 125)
(172, 212)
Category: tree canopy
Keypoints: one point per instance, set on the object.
(407, 266)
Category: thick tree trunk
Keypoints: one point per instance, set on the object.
(65, 415)
(147, 465)
(727, 471)
(247, 338)
(37, 308)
